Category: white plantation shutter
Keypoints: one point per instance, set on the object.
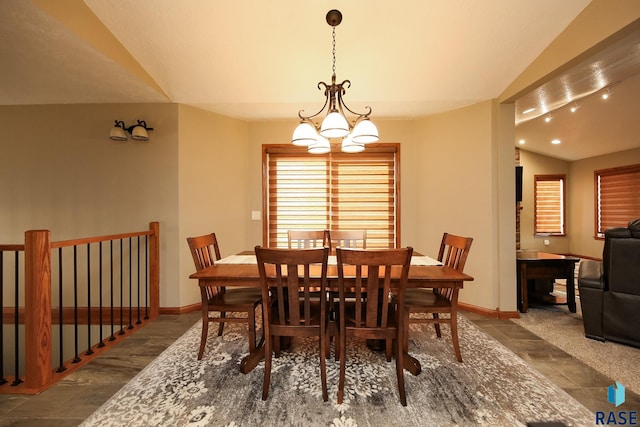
(335, 191)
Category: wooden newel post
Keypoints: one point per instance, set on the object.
(37, 309)
(154, 270)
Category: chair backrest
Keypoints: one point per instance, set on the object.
(454, 250)
(306, 239)
(355, 239)
(285, 275)
(204, 250)
(367, 275)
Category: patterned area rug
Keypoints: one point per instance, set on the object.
(493, 387)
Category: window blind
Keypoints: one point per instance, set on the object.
(549, 204)
(336, 191)
(617, 197)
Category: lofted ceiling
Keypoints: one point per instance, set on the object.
(262, 60)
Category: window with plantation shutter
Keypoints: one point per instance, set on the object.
(334, 191)
(617, 197)
(549, 205)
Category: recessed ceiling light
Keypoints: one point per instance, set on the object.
(556, 141)
(548, 118)
(574, 107)
(521, 142)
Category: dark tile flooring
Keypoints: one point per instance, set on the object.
(74, 398)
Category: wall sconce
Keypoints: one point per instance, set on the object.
(137, 132)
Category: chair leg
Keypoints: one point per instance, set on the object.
(323, 366)
(203, 337)
(343, 366)
(221, 327)
(251, 318)
(437, 325)
(267, 367)
(454, 336)
(400, 369)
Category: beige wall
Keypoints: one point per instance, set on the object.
(59, 171)
(581, 192)
(536, 164)
(459, 173)
(213, 181)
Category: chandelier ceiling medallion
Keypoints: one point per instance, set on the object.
(355, 133)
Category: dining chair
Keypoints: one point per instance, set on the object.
(356, 239)
(365, 307)
(453, 253)
(218, 299)
(305, 239)
(293, 304)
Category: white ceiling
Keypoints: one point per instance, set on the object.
(258, 59)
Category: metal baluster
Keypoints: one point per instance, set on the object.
(138, 299)
(101, 343)
(2, 379)
(113, 336)
(146, 277)
(17, 379)
(76, 359)
(61, 367)
(89, 349)
(121, 294)
(130, 289)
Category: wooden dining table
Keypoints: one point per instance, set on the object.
(243, 272)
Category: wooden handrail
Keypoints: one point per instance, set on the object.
(37, 312)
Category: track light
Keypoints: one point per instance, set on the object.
(138, 132)
(606, 94)
(548, 118)
(575, 107)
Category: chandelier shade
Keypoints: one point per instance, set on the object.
(356, 132)
(321, 146)
(365, 132)
(304, 135)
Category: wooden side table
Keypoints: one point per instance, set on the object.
(541, 265)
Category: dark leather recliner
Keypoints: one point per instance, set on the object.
(610, 290)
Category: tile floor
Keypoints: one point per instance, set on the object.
(74, 398)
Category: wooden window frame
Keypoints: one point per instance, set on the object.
(562, 179)
(624, 180)
(268, 149)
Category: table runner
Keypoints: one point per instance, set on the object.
(251, 259)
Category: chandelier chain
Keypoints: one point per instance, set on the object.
(334, 51)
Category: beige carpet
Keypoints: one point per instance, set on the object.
(564, 329)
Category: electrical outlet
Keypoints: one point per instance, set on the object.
(546, 242)
(256, 215)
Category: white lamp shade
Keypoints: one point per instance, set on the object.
(348, 146)
(139, 133)
(334, 126)
(365, 132)
(321, 146)
(304, 135)
(117, 134)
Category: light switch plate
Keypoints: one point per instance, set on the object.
(256, 215)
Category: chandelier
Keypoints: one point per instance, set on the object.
(355, 133)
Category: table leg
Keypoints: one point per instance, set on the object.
(571, 289)
(524, 302)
